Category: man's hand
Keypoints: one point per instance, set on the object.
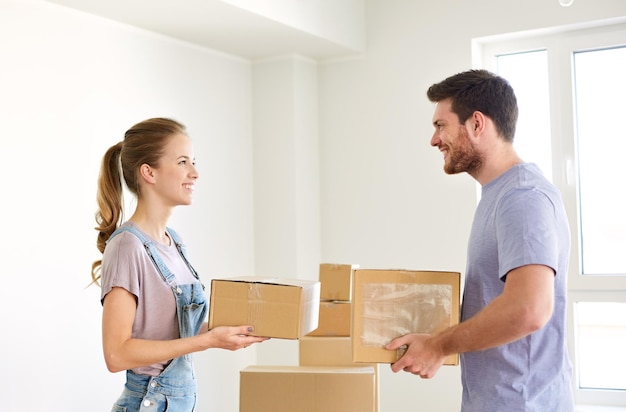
(422, 357)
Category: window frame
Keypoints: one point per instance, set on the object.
(561, 43)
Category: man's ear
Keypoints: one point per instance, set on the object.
(147, 173)
(476, 124)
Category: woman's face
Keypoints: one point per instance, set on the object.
(176, 172)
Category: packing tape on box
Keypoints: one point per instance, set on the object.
(255, 305)
(395, 309)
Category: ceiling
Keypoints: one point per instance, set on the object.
(214, 24)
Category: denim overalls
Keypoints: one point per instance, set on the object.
(174, 389)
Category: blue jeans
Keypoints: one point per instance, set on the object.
(163, 393)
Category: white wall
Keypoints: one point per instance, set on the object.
(71, 84)
(286, 180)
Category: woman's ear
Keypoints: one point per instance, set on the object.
(147, 173)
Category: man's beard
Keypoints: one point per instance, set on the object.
(462, 157)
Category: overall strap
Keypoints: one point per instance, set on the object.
(167, 276)
(182, 249)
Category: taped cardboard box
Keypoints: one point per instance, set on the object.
(334, 319)
(276, 307)
(336, 280)
(391, 303)
(307, 389)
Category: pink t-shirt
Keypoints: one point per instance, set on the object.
(126, 264)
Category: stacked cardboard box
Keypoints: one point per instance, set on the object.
(307, 389)
(325, 379)
(335, 309)
(360, 310)
(331, 343)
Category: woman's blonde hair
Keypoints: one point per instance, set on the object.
(143, 143)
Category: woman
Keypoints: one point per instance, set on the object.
(154, 304)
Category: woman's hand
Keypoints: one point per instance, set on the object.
(233, 337)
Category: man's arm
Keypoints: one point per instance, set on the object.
(524, 306)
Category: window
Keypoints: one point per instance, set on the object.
(570, 87)
(598, 80)
(601, 338)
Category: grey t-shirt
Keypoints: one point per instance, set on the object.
(126, 264)
(520, 220)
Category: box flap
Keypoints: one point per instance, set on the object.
(269, 280)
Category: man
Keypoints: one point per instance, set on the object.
(511, 336)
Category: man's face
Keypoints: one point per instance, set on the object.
(452, 139)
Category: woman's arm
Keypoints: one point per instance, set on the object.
(122, 352)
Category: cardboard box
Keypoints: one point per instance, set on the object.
(331, 351)
(334, 319)
(325, 351)
(277, 308)
(336, 280)
(307, 389)
(392, 303)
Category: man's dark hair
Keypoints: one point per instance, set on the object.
(483, 91)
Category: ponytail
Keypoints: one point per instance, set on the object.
(109, 196)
